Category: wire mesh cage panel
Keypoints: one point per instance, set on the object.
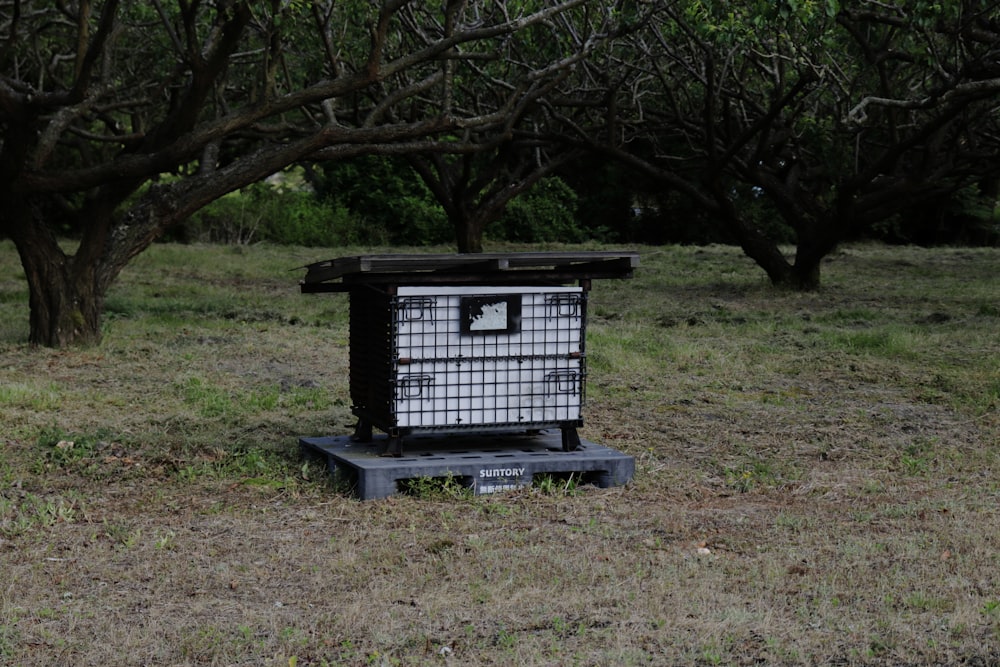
(490, 392)
(488, 322)
(467, 357)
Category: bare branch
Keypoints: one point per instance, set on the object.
(973, 89)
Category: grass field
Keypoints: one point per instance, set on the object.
(817, 479)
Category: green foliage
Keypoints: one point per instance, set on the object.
(263, 212)
(734, 24)
(546, 212)
(385, 201)
(606, 194)
(298, 219)
(966, 217)
(378, 201)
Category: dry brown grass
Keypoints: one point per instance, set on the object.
(816, 480)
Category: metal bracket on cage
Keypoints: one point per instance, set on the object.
(393, 446)
(416, 308)
(362, 431)
(562, 382)
(563, 305)
(413, 386)
(570, 439)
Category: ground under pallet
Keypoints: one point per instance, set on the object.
(485, 463)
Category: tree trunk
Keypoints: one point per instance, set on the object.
(65, 292)
(65, 304)
(804, 277)
(816, 240)
(801, 276)
(468, 227)
(804, 274)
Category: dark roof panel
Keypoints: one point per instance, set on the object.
(468, 268)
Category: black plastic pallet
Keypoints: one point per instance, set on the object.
(485, 463)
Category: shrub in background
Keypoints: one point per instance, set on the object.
(387, 201)
(546, 212)
(263, 212)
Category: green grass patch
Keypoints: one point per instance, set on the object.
(10, 638)
(31, 396)
(880, 342)
(32, 512)
(250, 467)
(446, 487)
(990, 309)
(210, 400)
(62, 448)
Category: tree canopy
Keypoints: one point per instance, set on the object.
(834, 115)
(122, 119)
(799, 120)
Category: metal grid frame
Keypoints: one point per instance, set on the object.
(431, 373)
(512, 371)
(492, 392)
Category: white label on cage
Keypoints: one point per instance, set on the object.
(492, 316)
(499, 314)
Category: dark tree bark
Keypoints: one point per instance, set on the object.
(64, 295)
